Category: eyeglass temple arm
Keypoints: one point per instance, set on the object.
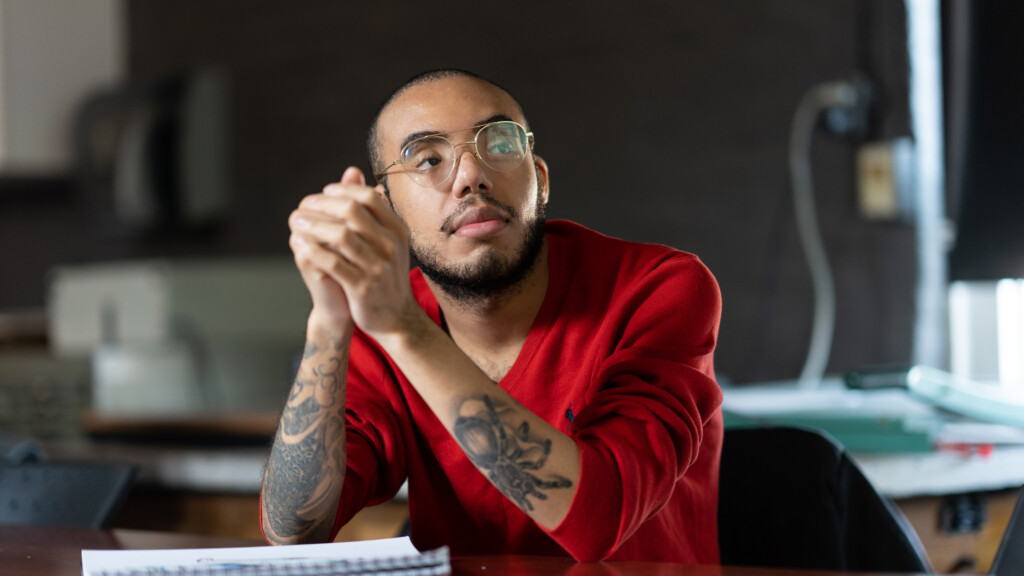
(377, 176)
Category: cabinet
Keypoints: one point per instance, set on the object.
(974, 548)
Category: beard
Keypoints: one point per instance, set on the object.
(491, 276)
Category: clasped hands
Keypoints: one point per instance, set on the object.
(352, 251)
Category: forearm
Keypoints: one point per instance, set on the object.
(531, 462)
(306, 468)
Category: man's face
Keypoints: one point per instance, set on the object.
(478, 232)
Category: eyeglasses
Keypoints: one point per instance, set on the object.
(430, 160)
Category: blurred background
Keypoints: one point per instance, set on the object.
(662, 122)
(151, 151)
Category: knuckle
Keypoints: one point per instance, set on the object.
(377, 269)
(396, 243)
(309, 201)
(389, 250)
(337, 267)
(366, 195)
(343, 236)
(357, 249)
(351, 207)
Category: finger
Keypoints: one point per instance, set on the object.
(351, 179)
(311, 257)
(335, 202)
(353, 187)
(353, 175)
(335, 198)
(365, 252)
(311, 275)
(356, 227)
(385, 214)
(349, 201)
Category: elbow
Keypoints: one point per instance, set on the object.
(585, 541)
(593, 546)
(278, 538)
(288, 541)
(290, 529)
(591, 551)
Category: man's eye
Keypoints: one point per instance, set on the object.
(425, 154)
(501, 148)
(423, 162)
(426, 163)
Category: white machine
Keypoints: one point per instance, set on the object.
(987, 332)
(179, 338)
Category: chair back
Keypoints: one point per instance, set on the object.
(791, 497)
(1010, 556)
(63, 493)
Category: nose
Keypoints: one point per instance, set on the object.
(470, 173)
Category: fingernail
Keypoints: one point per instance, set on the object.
(301, 223)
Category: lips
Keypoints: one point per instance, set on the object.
(477, 221)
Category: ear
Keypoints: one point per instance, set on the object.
(543, 181)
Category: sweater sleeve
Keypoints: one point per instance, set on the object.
(643, 428)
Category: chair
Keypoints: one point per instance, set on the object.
(792, 498)
(62, 493)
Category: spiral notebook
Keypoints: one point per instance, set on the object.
(391, 556)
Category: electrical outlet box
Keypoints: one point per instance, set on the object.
(885, 180)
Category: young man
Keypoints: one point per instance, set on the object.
(545, 389)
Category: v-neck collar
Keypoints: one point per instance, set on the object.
(558, 278)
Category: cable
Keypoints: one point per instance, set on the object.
(818, 99)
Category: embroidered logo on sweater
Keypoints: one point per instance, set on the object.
(569, 416)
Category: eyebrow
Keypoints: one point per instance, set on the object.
(423, 133)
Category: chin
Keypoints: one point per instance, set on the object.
(490, 270)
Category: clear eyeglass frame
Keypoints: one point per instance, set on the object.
(429, 178)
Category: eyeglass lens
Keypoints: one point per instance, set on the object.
(501, 146)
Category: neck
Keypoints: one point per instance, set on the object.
(499, 320)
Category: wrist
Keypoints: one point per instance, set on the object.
(414, 331)
(320, 328)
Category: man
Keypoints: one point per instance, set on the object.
(545, 389)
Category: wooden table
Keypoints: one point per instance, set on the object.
(35, 551)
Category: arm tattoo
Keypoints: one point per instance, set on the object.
(508, 453)
(307, 462)
(310, 351)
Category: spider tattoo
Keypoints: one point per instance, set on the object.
(507, 453)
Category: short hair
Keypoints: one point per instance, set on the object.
(372, 135)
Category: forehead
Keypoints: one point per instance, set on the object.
(443, 105)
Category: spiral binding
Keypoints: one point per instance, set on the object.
(431, 563)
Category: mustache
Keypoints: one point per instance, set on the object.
(470, 203)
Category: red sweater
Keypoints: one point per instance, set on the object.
(620, 358)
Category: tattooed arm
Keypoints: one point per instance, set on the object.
(306, 468)
(509, 454)
(535, 465)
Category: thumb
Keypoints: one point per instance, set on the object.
(353, 175)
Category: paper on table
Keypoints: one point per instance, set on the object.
(95, 562)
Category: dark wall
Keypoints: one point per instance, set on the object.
(661, 121)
